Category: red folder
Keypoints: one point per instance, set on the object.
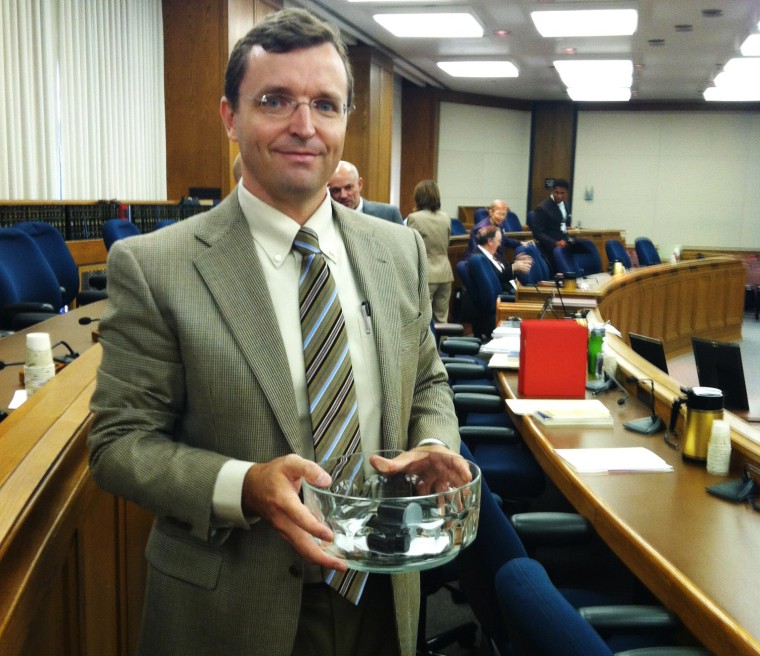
(552, 359)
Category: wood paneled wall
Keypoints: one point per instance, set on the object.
(552, 146)
(198, 37)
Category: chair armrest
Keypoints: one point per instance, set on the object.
(91, 296)
(460, 346)
(445, 329)
(460, 388)
(27, 306)
(459, 370)
(626, 617)
(98, 281)
(488, 434)
(479, 402)
(551, 528)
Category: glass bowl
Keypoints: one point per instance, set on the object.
(414, 520)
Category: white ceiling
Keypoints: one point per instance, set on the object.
(678, 70)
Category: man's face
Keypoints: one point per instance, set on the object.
(492, 245)
(559, 194)
(497, 213)
(346, 188)
(287, 161)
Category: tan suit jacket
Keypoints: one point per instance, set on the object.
(194, 372)
(435, 229)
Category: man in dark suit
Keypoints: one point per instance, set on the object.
(488, 243)
(346, 188)
(552, 220)
(202, 412)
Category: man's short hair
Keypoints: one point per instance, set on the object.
(281, 32)
(484, 234)
(561, 182)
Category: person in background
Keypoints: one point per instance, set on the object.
(489, 241)
(204, 410)
(497, 216)
(435, 228)
(346, 188)
(552, 220)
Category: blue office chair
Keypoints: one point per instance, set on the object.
(512, 223)
(541, 621)
(529, 219)
(29, 290)
(480, 214)
(485, 290)
(581, 257)
(457, 228)
(539, 270)
(646, 252)
(616, 252)
(115, 229)
(50, 241)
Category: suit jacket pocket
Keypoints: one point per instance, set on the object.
(192, 563)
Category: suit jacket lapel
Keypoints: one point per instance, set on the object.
(377, 280)
(234, 277)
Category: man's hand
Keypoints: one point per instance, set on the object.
(561, 242)
(522, 263)
(270, 490)
(438, 468)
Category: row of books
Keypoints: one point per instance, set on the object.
(85, 220)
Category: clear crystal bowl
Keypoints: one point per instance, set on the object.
(414, 520)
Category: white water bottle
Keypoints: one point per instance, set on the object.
(38, 367)
(719, 449)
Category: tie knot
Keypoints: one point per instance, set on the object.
(306, 242)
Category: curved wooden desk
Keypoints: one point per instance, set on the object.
(696, 553)
(671, 302)
(71, 563)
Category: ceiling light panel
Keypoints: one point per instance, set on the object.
(751, 46)
(431, 25)
(586, 22)
(601, 72)
(479, 68)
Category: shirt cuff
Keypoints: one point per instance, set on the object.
(228, 491)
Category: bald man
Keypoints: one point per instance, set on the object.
(346, 188)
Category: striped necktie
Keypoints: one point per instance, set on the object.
(329, 377)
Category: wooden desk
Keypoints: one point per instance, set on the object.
(71, 556)
(671, 302)
(696, 553)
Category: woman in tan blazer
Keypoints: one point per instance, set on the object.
(435, 228)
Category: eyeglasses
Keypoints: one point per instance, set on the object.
(281, 105)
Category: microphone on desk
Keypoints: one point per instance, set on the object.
(69, 357)
(548, 303)
(606, 384)
(645, 425)
(88, 320)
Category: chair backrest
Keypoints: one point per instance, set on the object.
(26, 274)
(539, 270)
(115, 229)
(616, 251)
(484, 290)
(480, 214)
(586, 256)
(53, 246)
(540, 621)
(463, 271)
(512, 223)
(564, 260)
(529, 219)
(646, 252)
(457, 227)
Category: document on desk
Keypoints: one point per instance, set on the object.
(505, 344)
(614, 460)
(504, 361)
(563, 412)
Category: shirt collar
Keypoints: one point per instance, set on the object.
(274, 231)
(360, 206)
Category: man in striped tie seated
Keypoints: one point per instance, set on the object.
(244, 345)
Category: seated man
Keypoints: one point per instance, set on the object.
(488, 245)
(552, 220)
(345, 187)
(498, 214)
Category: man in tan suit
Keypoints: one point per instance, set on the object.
(201, 411)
